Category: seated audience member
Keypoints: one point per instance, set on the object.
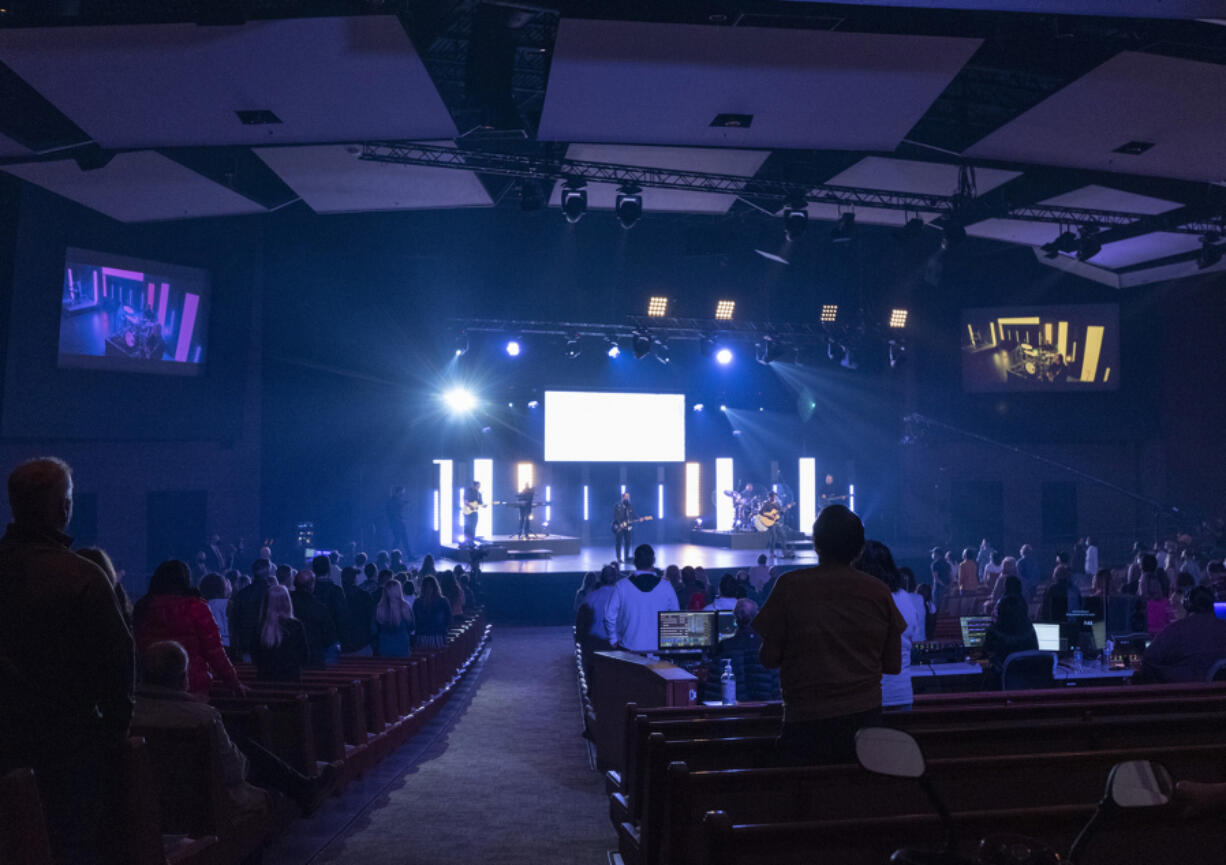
(216, 593)
(172, 610)
(876, 560)
(281, 649)
(590, 581)
(100, 558)
(360, 608)
(316, 620)
(759, 574)
(327, 591)
(704, 581)
(672, 575)
(163, 702)
(968, 572)
(744, 588)
(431, 614)
(1186, 649)
(832, 631)
(726, 600)
(393, 624)
(1060, 597)
(754, 682)
(1158, 606)
(589, 621)
(630, 617)
(1184, 583)
(245, 608)
(1215, 579)
(450, 587)
(1010, 632)
(67, 675)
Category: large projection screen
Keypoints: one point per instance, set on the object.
(583, 427)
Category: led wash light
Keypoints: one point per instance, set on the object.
(898, 318)
(724, 310)
(830, 313)
(657, 307)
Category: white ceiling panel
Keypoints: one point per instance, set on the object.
(168, 85)
(331, 179)
(1175, 104)
(923, 178)
(1015, 231)
(9, 147)
(1095, 197)
(644, 83)
(603, 196)
(1147, 247)
(137, 187)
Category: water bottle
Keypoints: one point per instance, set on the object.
(727, 683)
(1077, 659)
(1108, 651)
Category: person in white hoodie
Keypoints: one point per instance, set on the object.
(631, 614)
(877, 560)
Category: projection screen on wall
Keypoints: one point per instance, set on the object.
(582, 426)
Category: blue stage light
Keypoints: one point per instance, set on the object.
(459, 400)
(723, 356)
(723, 408)
(533, 404)
(698, 406)
(513, 348)
(614, 351)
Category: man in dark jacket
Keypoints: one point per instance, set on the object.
(355, 636)
(754, 682)
(329, 593)
(244, 609)
(315, 618)
(66, 667)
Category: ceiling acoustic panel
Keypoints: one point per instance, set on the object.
(181, 85)
(1168, 109)
(9, 147)
(922, 178)
(332, 179)
(645, 83)
(603, 196)
(137, 187)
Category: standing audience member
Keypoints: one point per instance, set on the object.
(1158, 607)
(968, 572)
(316, 619)
(1091, 559)
(285, 576)
(100, 558)
(216, 593)
(173, 611)
(245, 609)
(590, 581)
(941, 577)
(66, 667)
(754, 682)
(393, 624)
(589, 621)
(832, 631)
(983, 558)
(631, 615)
(431, 614)
(759, 574)
(328, 593)
(876, 560)
(280, 650)
(1186, 650)
(1061, 596)
(1028, 570)
(360, 608)
(450, 587)
(1184, 584)
(1010, 632)
(992, 569)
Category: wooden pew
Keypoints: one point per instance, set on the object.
(289, 727)
(23, 829)
(140, 818)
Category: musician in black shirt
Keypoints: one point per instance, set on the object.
(771, 516)
(524, 500)
(623, 527)
(472, 505)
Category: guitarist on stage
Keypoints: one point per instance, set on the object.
(472, 504)
(776, 534)
(623, 526)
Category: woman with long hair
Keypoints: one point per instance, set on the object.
(393, 623)
(1010, 632)
(172, 610)
(432, 613)
(100, 558)
(280, 648)
(877, 560)
(590, 581)
(449, 585)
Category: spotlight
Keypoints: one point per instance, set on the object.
(1210, 253)
(1066, 242)
(1088, 245)
(513, 348)
(723, 408)
(952, 234)
(795, 217)
(533, 404)
(770, 350)
(706, 345)
(698, 406)
(662, 353)
(629, 205)
(841, 233)
(724, 309)
(830, 313)
(461, 343)
(574, 200)
(459, 400)
(898, 352)
(723, 357)
(642, 345)
(573, 349)
(657, 307)
(898, 318)
(614, 349)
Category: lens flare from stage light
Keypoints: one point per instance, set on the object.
(698, 406)
(513, 348)
(723, 356)
(459, 400)
(614, 351)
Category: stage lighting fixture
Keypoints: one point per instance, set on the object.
(898, 318)
(573, 349)
(841, 233)
(898, 352)
(724, 309)
(706, 345)
(769, 350)
(459, 400)
(952, 234)
(1210, 252)
(533, 404)
(662, 353)
(830, 313)
(723, 357)
(1065, 242)
(513, 347)
(657, 307)
(849, 360)
(698, 406)
(1088, 245)
(642, 346)
(574, 200)
(461, 344)
(723, 408)
(629, 205)
(795, 217)
(910, 231)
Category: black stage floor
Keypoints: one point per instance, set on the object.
(593, 558)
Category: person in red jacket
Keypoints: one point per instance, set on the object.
(173, 610)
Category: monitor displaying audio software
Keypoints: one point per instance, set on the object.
(972, 630)
(686, 631)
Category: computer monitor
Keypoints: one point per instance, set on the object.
(972, 630)
(1049, 636)
(1100, 634)
(1219, 609)
(686, 631)
(725, 623)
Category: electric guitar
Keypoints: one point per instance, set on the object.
(625, 524)
(769, 517)
(473, 507)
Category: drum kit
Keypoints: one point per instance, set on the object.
(746, 511)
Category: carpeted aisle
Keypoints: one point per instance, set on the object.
(503, 778)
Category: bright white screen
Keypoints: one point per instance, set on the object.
(614, 427)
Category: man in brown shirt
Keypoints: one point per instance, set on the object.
(832, 631)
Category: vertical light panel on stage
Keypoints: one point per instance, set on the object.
(586, 504)
(659, 501)
(435, 513)
(483, 473)
(523, 476)
(693, 490)
(446, 502)
(806, 494)
(548, 504)
(851, 497)
(459, 514)
(723, 504)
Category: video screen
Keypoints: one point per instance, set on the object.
(1052, 348)
(973, 629)
(1048, 635)
(726, 622)
(132, 316)
(582, 426)
(686, 631)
